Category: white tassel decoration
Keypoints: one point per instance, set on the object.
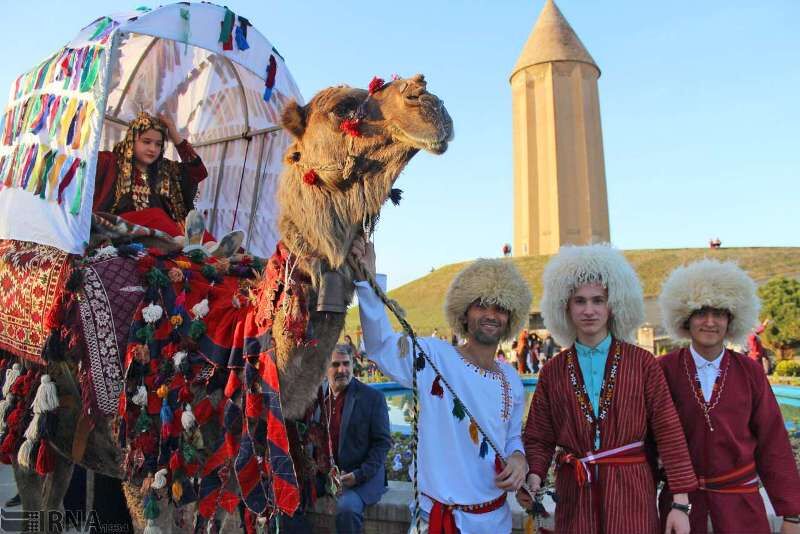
(32, 432)
(5, 404)
(24, 454)
(160, 479)
(46, 396)
(11, 377)
(151, 528)
(140, 399)
(187, 418)
(178, 358)
(403, 346)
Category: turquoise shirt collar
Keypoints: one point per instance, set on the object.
(601, 347)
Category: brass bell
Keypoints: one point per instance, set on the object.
(331, 293)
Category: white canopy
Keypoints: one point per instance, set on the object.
(170, 60)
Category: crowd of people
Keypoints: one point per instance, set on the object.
(616, 422)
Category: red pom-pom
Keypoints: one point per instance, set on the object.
(15, 418)
(351, 127)
(498, 464)
(145, 263)
(436, 387)
(175, 462)
(44, 460)
(311, 177)
(9, 445)
(376, 85)
(155, 251)
(233, 385)
(147, 442)
(185, 394)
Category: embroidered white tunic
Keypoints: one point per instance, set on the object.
(451, 469)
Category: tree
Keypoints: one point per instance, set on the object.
(780, 303)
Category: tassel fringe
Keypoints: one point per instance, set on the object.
(46, 396)
(187, 418)
(24, 454)
(11, 376)
(403, 346)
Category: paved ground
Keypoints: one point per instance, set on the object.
(8, 488)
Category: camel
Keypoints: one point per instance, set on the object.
(349, 146)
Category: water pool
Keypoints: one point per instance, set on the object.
(399, 400)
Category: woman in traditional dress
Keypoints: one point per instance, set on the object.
(136, 181)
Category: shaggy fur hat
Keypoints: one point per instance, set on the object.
(712, 284)
(495, 282)
(576, 266)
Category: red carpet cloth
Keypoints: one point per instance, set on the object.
(31, 278)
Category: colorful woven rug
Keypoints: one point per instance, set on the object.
(31, 277)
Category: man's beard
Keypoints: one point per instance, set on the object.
(483, 338)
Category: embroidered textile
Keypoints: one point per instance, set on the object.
(106, 312)
(31, 277)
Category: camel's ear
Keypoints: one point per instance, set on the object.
(293, 119)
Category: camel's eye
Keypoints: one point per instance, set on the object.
(346, 106)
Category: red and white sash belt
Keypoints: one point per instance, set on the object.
(740, 480)
(442, 521)
(632, 453)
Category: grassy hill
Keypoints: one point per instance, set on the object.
(423, 298)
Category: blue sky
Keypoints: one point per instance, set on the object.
(698, 99)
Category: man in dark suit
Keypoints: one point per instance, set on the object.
(358, 425)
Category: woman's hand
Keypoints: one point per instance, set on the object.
(172, 131)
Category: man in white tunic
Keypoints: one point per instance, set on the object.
(462, 482)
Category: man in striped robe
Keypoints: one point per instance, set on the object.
(598, 400)
(733, 425)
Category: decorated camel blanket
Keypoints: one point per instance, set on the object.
(171, 343)
(31, 279)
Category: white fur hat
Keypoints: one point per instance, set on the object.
(709, 284)
(492, 282)
(575, 266)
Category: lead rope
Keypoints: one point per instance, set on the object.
(420, 358)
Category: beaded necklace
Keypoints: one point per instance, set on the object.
(697, 388)
(606, 388)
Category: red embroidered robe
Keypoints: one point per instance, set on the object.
(640, 405)
(748, 427)
(192, 172)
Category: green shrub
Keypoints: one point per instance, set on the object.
(788, 368)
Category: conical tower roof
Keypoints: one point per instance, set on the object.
(552, 39)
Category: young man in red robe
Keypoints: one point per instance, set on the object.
(733, 426)
(598, 400)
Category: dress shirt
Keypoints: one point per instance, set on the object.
(707, 371)
(592, 361)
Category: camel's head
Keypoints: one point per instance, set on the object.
(349, 147)
(401, 112)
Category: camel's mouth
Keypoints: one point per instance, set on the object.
(436, 145)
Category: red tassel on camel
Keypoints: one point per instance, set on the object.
(436, 387)
(44, 460)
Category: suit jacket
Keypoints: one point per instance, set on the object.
(364, 439)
